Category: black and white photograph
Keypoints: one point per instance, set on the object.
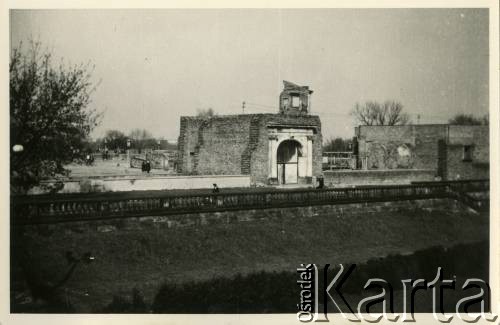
(306, 162)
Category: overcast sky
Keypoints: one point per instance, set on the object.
(156, 65)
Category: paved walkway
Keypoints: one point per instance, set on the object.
(113, 167)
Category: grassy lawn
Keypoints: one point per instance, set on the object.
(146, 257)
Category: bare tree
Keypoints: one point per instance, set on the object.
(209, 112)
(389, 112)
(141, 139)
(115, 139)
(337, 144)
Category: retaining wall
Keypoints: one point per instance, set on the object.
(144, 183)
(342, 178)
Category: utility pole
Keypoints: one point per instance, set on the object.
(128, 152)
(310, 103)
(243, 106)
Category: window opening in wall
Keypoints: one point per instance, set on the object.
(285, 103)
(467, 153)
(295, 101)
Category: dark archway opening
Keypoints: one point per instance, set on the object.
(288, 155)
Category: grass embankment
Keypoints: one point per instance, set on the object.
(278, 292)
(148, 256)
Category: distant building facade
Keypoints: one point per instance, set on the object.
(452, 151)
(281, 148)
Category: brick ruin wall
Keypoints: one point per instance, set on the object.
(237, 144)
(417, 147)
(214, 146)
(478, 138)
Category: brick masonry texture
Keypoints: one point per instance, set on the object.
(417, 147)
(237, 144)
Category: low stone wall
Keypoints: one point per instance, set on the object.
(142, 183)
(343, 178)
(256, 215)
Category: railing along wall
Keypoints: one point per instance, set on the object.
(98, 206)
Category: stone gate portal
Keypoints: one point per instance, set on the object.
(288, 155)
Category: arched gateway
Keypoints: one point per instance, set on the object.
(288, 155)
